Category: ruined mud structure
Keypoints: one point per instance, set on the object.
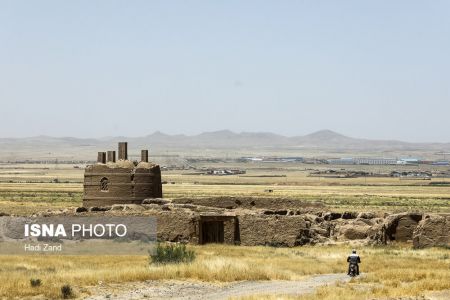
(132, 188)
(280, 222)
(111, 182)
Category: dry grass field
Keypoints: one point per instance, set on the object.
(390, 271)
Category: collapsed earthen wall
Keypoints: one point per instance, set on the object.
(433, 230)
(183, 223)
(400, 227)
(269, 203)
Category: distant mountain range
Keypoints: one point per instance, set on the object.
(224, 139)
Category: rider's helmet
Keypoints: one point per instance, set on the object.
(354, 251)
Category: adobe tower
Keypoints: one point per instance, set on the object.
(111, 182)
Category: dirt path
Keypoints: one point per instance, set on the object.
(184, 290)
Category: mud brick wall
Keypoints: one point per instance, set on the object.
(147, 182)
(176, 226)
(230, 231)
(432, 231)
(271, 230)
(405, 228)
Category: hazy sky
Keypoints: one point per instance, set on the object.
(375, 69)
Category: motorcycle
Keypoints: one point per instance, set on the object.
(353, 270)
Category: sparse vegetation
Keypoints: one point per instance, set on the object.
(35, 282)
(67, 292)
(170, 253)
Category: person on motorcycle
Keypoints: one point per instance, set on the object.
(353, 259)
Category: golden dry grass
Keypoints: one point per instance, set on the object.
(396, 271)
(391, 271)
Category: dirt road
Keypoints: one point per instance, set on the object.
(184, 290)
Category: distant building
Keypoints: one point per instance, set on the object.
(341, 161)
(252, 159)
(273, 159)
(376, 161)
(412, 175)
(373, 161)
(282, 159)
(363, 161)
(222, 172)
(409, 161)
(441, 163)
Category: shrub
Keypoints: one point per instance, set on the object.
(172, 254)
(445, 246)
(35, 282)
(66, 291)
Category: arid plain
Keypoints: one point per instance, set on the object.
(391, 271)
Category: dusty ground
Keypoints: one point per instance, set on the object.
(196, 290)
